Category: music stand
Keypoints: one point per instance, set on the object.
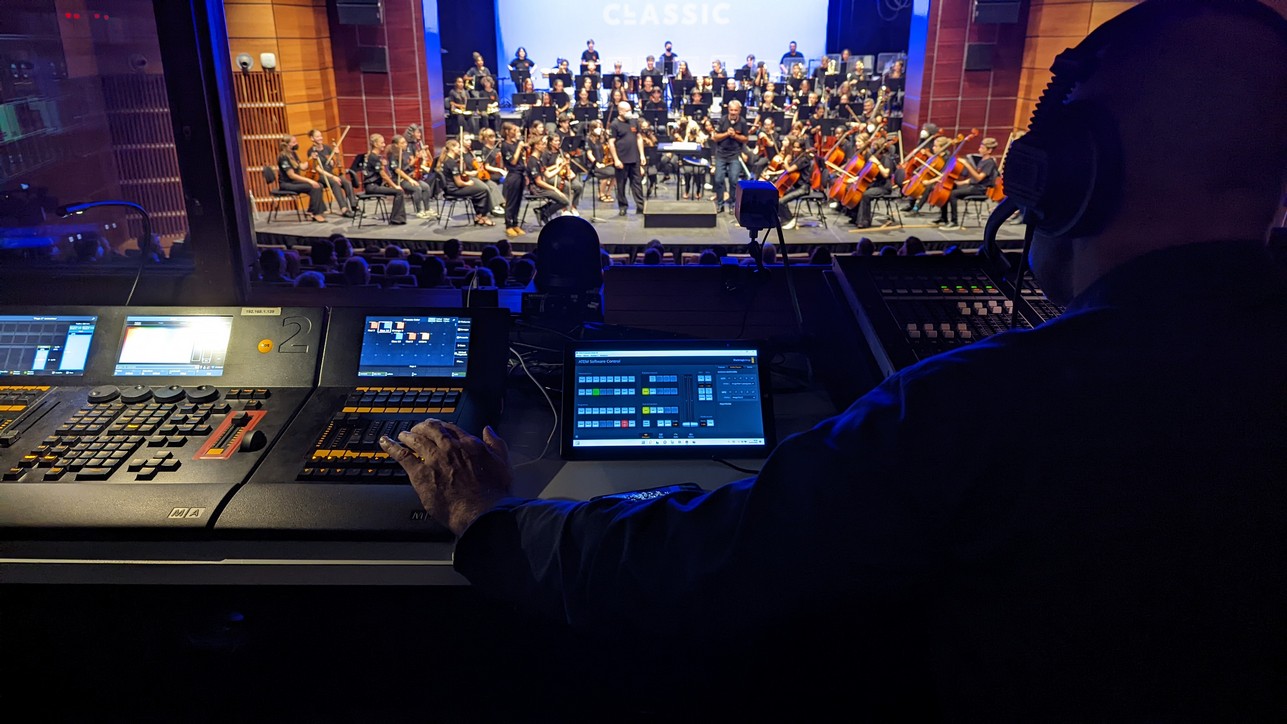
(741, 74)
(681, 87)
(737, 95)
(565, 77)
(656, 119)
(780, 90)
(779, 118)
(657, 75)
(585, 115)
(541, 113)
(523, 99)
(519, 76)
(696, 111)
(668, 65)
(832, 81)
(610, 79)
(795, 84)
(831, 125)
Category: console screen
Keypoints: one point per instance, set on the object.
(402, 346)
(44, 345)
(156, 346)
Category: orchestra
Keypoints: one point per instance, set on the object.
(819, 123)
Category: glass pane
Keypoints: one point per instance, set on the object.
(84, 117)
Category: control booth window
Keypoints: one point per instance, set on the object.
(84, 118)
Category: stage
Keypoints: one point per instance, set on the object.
(626, 235)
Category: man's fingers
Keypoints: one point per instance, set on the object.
(497, 445)
(395, 451)
(433, 431)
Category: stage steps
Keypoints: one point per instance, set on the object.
(666, 214)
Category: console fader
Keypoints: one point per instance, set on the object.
(142, 418)
(911, 308)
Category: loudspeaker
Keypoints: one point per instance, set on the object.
(360, 12)
(978, 56)
(996, 11)
(373, 59)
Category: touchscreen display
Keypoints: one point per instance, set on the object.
(403, 346)
(667, 398)
(163, 346)
(45, 345)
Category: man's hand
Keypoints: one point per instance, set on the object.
(457, 476)
(618, 163)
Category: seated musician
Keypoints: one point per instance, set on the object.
(694, 168)
(341, 187)
(540, 169)
(566, 175)
(488, 157)
(290, 177)
(459, 185)
(884, 160)
(696, 98)
(682, 72)
(647, 84)
(478, 71)
(769, 101)
(975, 180)
(654, 101)
(486, 90)
(650, 67)
(940, 148)
(717, 69)
(559, 97)
(376, 179)
(767, 145)
(404, 165)
(583, 100)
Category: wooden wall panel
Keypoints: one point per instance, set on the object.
(294, 21)
(303, 54)
(250, 21)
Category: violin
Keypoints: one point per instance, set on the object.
(952, 171)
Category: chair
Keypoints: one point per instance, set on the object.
(528, 198)
(814, 207)
(890, 202)
(381, 210)
(978, 203)
(277, 196)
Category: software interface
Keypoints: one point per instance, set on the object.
(636, 398)
(401, 346)
(165, 346)
(42, 345)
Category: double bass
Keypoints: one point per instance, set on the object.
(952, 170)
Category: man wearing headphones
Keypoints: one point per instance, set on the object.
(1084, 521)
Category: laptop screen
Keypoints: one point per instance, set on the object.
(666, 400)
(413, 346)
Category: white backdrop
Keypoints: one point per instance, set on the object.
(630, 31)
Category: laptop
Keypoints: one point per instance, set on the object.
(666, 400)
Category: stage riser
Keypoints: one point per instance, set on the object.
(659, 214)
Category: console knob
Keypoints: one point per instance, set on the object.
(136, 393)
(104, 393)
(172, 393)
(203, 393)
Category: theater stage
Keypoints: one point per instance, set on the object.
(628, 234)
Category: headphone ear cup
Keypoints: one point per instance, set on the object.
(1067, 170)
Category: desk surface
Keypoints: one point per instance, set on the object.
(526, 425)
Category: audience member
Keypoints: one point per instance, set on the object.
(489, 252)
(605, 259)
(888, 250)
(506, 250)
(272, 266)
(708, 257)
(393, 251)
(522, 272)
(293, 262)
(87, 247)
(311, 279)
(913, 246)
(395, 268)
(416, 259)
(480, 277)
(343, 248)
(820, 255)
(322, 255)
(866, 247)
(500, 269)
(770, 254)
(651, 256)
(432, 274)
(357, 272)
(451, 254)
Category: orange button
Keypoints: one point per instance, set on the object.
(265, 346)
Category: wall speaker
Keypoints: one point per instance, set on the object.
(268, 61)
(373, 59)
(978, 56)
(360, 12)
(998, 12)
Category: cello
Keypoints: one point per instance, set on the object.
(919, 155)
(952, 170)
(919, 181)
(845, 174)
(865, 178)
(996, 192)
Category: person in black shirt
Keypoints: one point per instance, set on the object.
(541, 170)
(799, 162)
(290, 177)
(477, 71)
(559, 97)
(654, 101)
(668, 59)
(589, 55)
(458, 184)
(790, 58)
(884, 160)
(403, 163)
(729, 137)
(627, 157)
(513, 155)
(341, 188)
(521, 62)
(377, 180)
(487, 91)
(565, 177)
(975, 179)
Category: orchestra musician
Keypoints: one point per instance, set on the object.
(488, 158)
(589, 55)
(668, 58)
(717, 69)
(798, 161)
(404, 164)
(458, 184)
(487, 92)
(521, 62)
(541, 170)
(323, 158)
(975, 180)
(477, 71)
(513, 154)
(583, 100)
(290, 177)
(794, 58)
(692, 169)
(654, 101)
(559, 97)
(682, 72)
(939, 149)
(566, 177)
(376, 179)
(651, 154)
(884, 160)
(767, 145)
(600, 159)
(458, 105)
(769, 102)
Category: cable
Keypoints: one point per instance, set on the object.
(553, 409)
(738, 468)
(77, 209)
